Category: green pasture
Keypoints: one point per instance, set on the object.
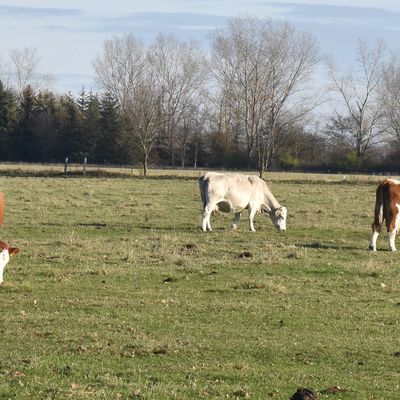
(117, 294)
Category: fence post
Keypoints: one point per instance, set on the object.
(66, 165)
(84, 165)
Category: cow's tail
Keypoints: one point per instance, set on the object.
(380, 209)
(203, 183)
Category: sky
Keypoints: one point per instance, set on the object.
(69, 34)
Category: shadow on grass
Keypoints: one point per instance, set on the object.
(187, 229)
(333, 246)
(328, 246)
(97, 225)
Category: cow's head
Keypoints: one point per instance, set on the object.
(278, 218)
(5, 252)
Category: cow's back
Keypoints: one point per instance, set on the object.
(387, 204)
(231, 191)
(392, 189)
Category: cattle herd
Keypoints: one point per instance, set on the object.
(236, 192)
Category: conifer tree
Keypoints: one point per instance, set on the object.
(8, 118)
(110, 145)
(25, 141)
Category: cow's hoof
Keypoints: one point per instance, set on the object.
(370, 248)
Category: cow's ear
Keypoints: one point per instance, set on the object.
(12, 251)
(278, 212)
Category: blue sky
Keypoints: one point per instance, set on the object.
(69, 34)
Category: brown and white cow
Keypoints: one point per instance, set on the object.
(387, 208)
(234, 193)
(5, 252)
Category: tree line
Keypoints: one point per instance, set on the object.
(253, 100)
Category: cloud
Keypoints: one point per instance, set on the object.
(163, 21)
(371, 17)
(28, 12)
(144, 24)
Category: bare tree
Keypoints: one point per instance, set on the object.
(185, 131)
(261, 67)
(124, 71)
(180, 74)
(190, 130)
(361, 114)
(119, 69)
(291, 57)
(24, 65)
(142, 111)
(390, 98)
(23, 71)
(237, 65)
(2, 71)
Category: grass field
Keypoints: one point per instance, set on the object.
(117, 294)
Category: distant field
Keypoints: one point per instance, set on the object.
(117, 294)
(49, 170)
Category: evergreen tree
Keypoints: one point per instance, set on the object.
(91, 126)
(25, 141)
(111, 144)
(8, 119)
(47, 124)
(70, 132)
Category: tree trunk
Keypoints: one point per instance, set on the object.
(172, 156)
(195, 155)
(183, 155)
(145, 164)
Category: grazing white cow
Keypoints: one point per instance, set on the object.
(234, 193)
(387, 208)
(5, 252)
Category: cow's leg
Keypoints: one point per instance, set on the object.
(252, 213)
(236, 219)
(206, 218)
(392, 237)
(208, 222)
(374, 238)
(394, 226)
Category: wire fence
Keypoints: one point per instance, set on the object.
(85, 169)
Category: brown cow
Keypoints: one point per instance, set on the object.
(5, 252)
(387, 208)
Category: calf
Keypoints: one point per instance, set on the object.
(5, 252)
(387, 208)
